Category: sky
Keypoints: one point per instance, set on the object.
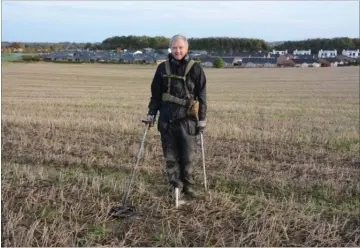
(94, 21)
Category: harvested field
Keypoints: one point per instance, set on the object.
(282, 155)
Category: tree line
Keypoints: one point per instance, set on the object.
(317, 44)
(209, 44)
(229, 45)
(33, 47)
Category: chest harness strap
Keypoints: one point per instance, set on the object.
(167, 96)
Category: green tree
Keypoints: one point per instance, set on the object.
(219, 63)
(16, 45)
(87, 45)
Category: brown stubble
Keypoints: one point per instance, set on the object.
(280, 149)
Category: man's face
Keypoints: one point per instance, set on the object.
(179, 49)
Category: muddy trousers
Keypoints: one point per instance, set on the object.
(178, 143)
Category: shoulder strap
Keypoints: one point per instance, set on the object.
(188, 67)
(167, 67)
(169, 75)
(168, 72)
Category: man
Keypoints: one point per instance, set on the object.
(182, 112)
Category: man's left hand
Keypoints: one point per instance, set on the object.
(201, 126)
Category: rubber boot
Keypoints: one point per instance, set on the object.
(189, 192)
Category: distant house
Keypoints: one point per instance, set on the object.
(228, 61)
(144, 59)
(304, 56)
(126, 58)
(137, 52)
(148, 50)
(84, 56)
(163, 51)
(197, 52)
(351, 53)
(258, 62)
(327, 53)
(330, 62)
(58, 56)
(239, 56)
(345, 59)
(207, 61)
(279, 52)
(271, 55)
(237, 61)
(302, 52)
(269, 62)
(197, 56)
(285, 61)
(260, 54)
(306, 63)
(148, 59)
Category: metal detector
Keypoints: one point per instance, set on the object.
(126, 210)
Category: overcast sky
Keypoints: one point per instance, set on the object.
(94, 21)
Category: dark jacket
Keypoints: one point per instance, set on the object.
(196, 82)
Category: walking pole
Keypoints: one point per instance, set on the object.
(203, 159)
(177, 197)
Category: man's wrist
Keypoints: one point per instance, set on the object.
(152, 112)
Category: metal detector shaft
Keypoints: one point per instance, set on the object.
(203, 159)
(137, 162)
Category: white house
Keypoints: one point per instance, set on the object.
(302, 52)
(304, 64)
(197, 52)
(250, 65)
(207, 64)
(351, 53)
(327, 53)
(269, 65)
(137, 52)
(279, 52)
(334, 64)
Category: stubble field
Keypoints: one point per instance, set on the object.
(281, 147)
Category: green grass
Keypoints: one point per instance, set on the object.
(9, 57)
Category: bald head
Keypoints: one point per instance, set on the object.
(179, 46)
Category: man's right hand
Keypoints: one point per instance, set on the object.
(150, 119)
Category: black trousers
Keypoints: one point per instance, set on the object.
(178, 143)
